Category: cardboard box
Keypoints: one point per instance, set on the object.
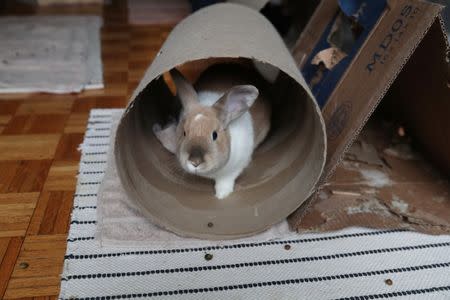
(351, 89)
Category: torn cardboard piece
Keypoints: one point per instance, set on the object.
(400, 194)
(402, 151)
(342, 34)
(364, 153)
(329, 57)
(285, 168)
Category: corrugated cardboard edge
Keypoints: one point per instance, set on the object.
(444, 32)
(176, 52)
(331, 165)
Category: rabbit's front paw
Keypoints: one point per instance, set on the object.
(224, 188)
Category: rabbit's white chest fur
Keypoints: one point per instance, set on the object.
(241, 147)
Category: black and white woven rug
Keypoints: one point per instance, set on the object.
(354, 263)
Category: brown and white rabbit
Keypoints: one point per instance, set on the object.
(224, 118)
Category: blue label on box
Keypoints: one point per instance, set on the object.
(347, 31)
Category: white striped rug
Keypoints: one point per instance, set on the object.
(351, 264)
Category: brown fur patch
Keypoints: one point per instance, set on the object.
(222, 77)
(198, 131)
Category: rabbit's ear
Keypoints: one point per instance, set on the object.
(167, 136)
(236, 102)
(185, 90)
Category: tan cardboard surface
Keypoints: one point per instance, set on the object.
(420, 97)
(405, 191)
(381, 58)
(285, 168)
(372, 72)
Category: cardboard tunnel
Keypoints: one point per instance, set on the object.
(285, 168)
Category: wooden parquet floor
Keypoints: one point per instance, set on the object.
(39, 136)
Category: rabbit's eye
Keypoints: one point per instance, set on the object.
(214, 135)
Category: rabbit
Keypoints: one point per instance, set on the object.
(223, 119)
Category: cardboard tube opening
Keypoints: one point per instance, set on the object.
(284, 169)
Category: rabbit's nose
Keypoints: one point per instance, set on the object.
(196, 157)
